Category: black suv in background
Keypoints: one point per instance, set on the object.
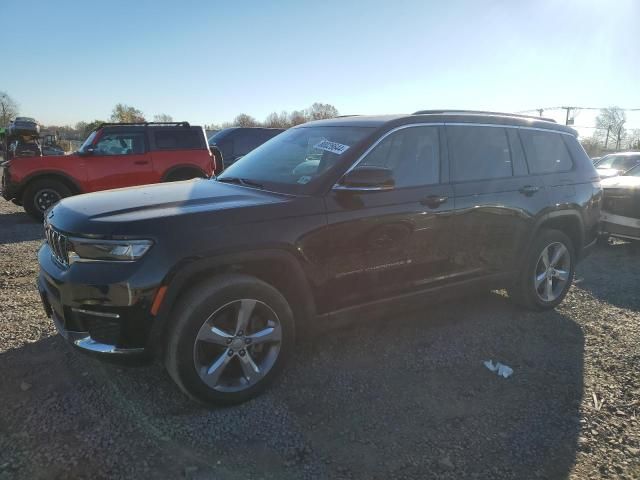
(230, 144)
(328, 219)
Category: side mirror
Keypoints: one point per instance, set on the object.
(366, 179)
(87, 152)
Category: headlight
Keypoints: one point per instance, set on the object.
(84, 250)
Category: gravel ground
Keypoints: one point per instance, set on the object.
(401, 397)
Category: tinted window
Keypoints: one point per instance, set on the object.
(546, 152)
(120, 144)
(413, 154)
(177, 139)
(479, 153)
(216, 137)
(246, 141)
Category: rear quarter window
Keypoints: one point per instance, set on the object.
(546, 152)
(178, 139)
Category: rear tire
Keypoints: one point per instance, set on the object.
(219, 161)
(544, 280)
(214, 355)
(43, 194)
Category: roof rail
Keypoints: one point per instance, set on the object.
(143, 124)
(482, 112)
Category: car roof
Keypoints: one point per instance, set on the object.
(620, 154)
(442, 116)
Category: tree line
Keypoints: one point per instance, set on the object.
(610, 132)
(283, 119)
(123, 113)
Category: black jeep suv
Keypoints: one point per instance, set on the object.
(214, 277)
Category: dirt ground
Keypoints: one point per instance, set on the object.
(402, 397)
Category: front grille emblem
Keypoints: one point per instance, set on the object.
(58, 244)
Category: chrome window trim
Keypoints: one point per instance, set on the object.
(495, 125)
(338, 186)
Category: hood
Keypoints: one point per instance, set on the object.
(129, 211)
(621, 182)
(608, 172)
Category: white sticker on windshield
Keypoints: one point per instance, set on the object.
(332, 147)
(304, 179)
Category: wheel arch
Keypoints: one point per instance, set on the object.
(275, 267)
(68, 181)
(568, 222)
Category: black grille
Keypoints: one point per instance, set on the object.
(103, 331)
(58, 243)
(620, 201)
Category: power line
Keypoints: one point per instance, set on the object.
(579, 108)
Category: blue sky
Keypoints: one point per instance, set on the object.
(208, 61)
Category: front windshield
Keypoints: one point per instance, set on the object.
(88, 142)
(634, 172)
(619, 162)
(606, 161)
(216, 137)
(292, 161)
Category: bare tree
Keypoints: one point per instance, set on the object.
(244, 120)
(633, 139)
(8, 109)
(298, 117)
(162, 117)
(126, 114)
(610, 123)
(277, 120)
(322, 111)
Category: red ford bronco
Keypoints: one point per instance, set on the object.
(114, 155)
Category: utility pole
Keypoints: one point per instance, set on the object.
(541, 111)
(606, 142)
(568, 109)
(619, 135)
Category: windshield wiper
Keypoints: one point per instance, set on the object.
(241, 181)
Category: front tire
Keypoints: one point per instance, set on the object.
(230, 340)
(547, 274)
(43, 194)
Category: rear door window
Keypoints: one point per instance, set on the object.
(479, 153)
(546, 152)
(178, 139)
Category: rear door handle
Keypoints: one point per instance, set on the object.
(434, 201)
(529, 190)
(141, 162)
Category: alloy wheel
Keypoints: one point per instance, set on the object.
(46, 198)
(237, 345)
(552, 271)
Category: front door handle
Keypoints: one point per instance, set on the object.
(529, 190)
(434, 201)
(141, 162)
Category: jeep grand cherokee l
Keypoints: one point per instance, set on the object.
(112, 156)
(330, 218)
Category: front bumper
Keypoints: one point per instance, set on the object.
(620, 226)
(8, 189)
(111, 318)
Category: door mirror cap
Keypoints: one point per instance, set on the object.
(87, 152)
(366, 179)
